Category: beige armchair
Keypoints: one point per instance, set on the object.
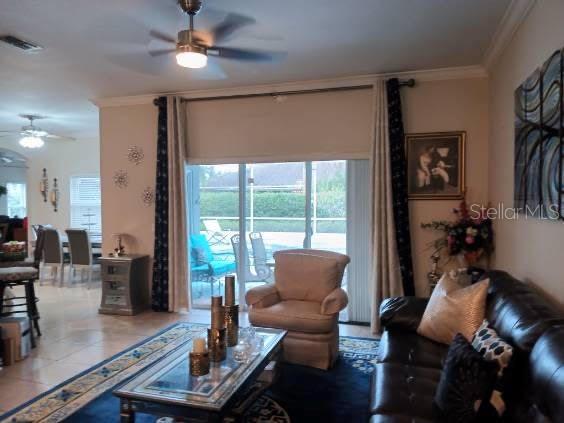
(305, 300)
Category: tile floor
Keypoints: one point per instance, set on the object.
(75, 337)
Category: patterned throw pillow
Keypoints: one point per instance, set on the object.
(466, 384)
(490, 346)
(488, 343)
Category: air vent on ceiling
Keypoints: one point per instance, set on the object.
(19, 43)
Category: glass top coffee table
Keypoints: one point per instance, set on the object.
(166, 388)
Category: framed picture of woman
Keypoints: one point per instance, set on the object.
(435, 165)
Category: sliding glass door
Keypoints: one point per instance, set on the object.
(240, 215)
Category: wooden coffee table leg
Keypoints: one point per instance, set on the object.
(127, 415)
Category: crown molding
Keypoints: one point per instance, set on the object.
(514, 16)
(465, 72)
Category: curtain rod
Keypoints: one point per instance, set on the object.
(402, 83)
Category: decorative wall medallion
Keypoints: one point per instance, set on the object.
(135, 154)
(121, 178)
(148, 196)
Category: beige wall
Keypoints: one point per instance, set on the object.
(451, 105)
(438, 106)
(123, 210)
(62, 160)
(530, 249)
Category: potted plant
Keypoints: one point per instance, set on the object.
(3, 190)
(469, 237)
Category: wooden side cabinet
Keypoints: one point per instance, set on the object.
(125, 284)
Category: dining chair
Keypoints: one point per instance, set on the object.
(11, 277)
(53, 254)
(81, 257)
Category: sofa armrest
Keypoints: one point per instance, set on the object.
(403, 313)
(262, 296)
(334, 302)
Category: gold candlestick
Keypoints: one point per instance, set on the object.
(217, 313)
(217, 345)
(230, 290)
(232, 324)
(199, 358)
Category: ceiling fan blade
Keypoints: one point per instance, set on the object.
(230, 24)
(59, 137)
(162, 52)
(162, 36)
(246, 55)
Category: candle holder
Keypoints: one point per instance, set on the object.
(217, 344)
(232, 324)
(44, 185)
(199, 363)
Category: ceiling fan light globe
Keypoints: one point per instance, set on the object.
(31, 142)
(191, 59)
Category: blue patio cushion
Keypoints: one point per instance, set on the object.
(200, 249)
(215, 267)
(221, 267)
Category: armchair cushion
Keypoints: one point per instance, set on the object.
(334, 302)
(299, 316)
(262, 296)
(306, 277)
(402, 313)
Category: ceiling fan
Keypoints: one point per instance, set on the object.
(33, 136)
(192, 50)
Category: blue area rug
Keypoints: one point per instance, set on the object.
(300, 394)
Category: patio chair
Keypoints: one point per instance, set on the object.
(205, 266)
(249, 276)
(260, 257)
(216, 234)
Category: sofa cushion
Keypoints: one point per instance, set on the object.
(307, 277)
(300, 316)
(517, 312)
(409, 348)
(403, 390)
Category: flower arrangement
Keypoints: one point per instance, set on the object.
(469, 235)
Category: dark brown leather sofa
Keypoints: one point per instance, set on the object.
(409, 365)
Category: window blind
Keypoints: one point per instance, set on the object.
(86, 204)
(332, 125)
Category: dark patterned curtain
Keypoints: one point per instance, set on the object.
(160, 261)
(399, 185)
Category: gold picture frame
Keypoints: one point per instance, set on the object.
(436, 165)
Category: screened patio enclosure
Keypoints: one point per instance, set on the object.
(240, 214)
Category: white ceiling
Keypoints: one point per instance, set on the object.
(96, 49)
